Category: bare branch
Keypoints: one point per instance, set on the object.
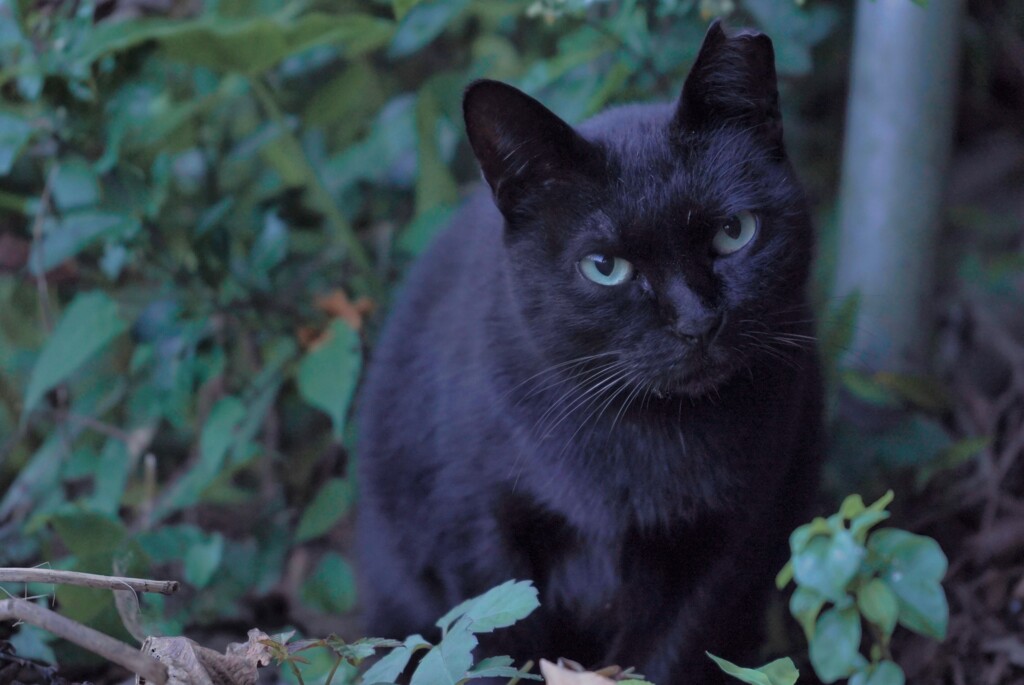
(45, 575)
(83, 636)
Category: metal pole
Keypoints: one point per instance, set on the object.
(899, 130)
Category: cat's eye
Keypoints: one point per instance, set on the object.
(735, 233)
(606, 270)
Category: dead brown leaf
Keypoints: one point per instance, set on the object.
(337, 304)
(559, 674)
(189, 663)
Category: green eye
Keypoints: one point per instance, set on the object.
(605, 270)
(735, 233)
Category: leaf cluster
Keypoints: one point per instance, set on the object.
(848, 575)
(448, 662)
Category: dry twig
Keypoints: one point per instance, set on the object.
(86, 637)
(45, 575)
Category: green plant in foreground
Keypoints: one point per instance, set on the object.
(449, 661)
(778, 672)
(848, 576)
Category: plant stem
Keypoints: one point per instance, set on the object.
(298, 674)
(330, 676)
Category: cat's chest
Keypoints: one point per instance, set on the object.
(645, 469)
(602, 579)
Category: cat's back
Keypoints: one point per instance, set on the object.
(434, 324)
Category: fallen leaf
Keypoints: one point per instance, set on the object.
(559, 675)
(337, 304)
(189, 663)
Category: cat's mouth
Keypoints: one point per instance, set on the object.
(690, 377)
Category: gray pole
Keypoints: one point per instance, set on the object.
(899, 128)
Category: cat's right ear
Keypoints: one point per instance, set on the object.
(519, 142)
(732, 82)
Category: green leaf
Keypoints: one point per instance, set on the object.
(502, 667)
(167, 544)
(953, 456)
(68, 236)
(333, 105)
(88, 325)
(865, 388)
(329, 505)
(217, 437)
(882, 502)
(449, 661)
(250, 45)
(203, 559)
(863, 523)
(923, 606)
(422, 24)
(271, 246)
(435, 185)
(827, 565)
(805, 605)
(781, 671)
(14, 133)
(499, 607)
(879, 605)
(908, 554)
(331, 587)
(778, 672)
(362, 648)
(851, 506)
(886, 673)
(328, 374)
(784, 576)
(390, 667)
(33, 643)
(110, 477)
(88, 533)
(510, 672)
(834, 648)
(800, 537)
(421, 231)
(75, 185)
(923, 392)
(914, 441)
(402, 7)
(839, 327)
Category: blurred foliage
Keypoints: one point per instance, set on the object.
(200, 204)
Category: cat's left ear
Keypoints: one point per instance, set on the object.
(732, 83)
(520, 143)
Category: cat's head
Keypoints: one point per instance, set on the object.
(671, 242)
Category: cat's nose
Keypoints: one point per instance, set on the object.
(700, 330)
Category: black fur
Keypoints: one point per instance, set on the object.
(520, 421)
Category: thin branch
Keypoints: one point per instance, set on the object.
(45, 575)
(83, 636)
(95, 424)
(37, 253)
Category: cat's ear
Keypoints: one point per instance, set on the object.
(732, 82)
(519, 142)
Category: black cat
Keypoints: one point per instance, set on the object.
(602, 377)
